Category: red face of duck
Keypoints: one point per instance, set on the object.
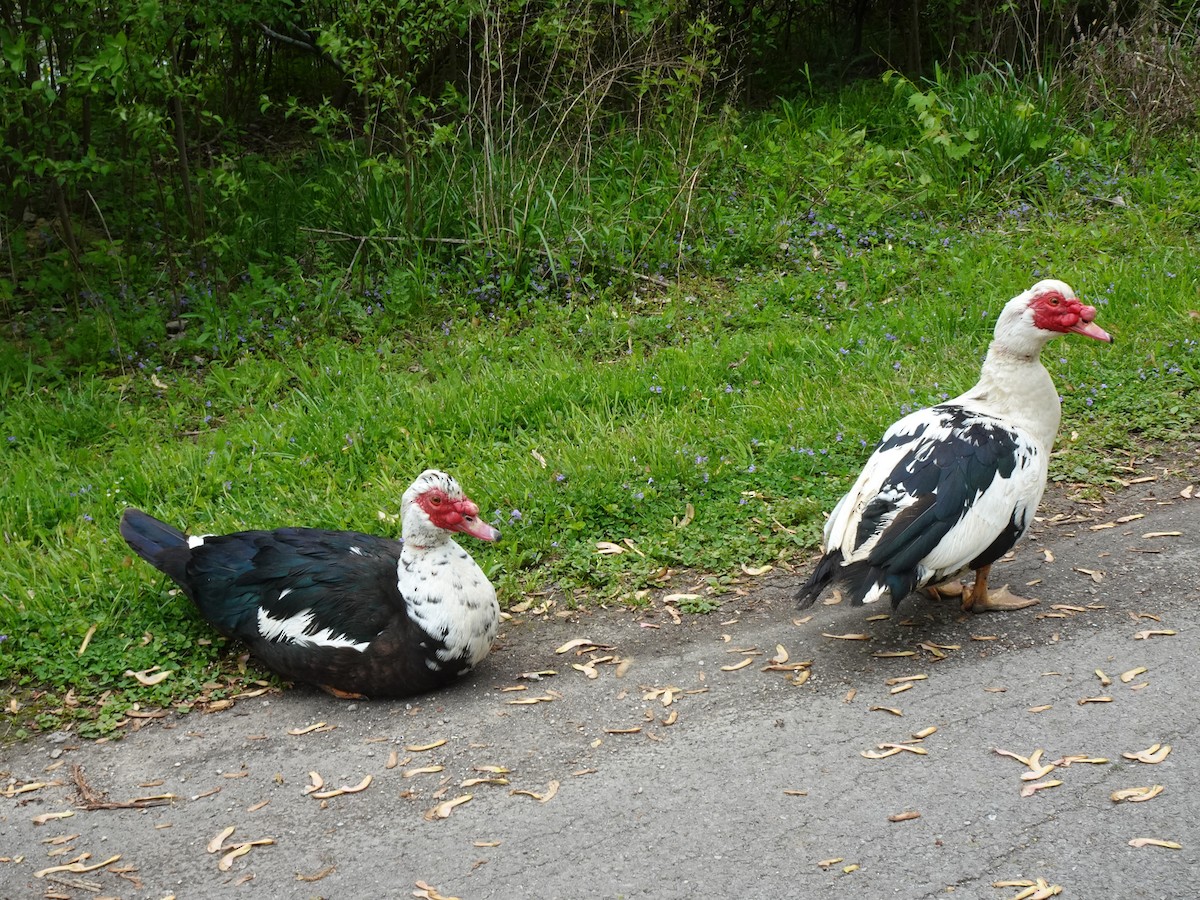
(455, 515)
(1055, 311)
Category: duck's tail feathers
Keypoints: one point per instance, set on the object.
(163, 546)
(828, 568)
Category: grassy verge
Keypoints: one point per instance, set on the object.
(706, 424)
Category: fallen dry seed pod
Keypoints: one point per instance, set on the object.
(589, 670)
(1149, 633)
(226, 861)
(144, 677)
(51, 816)
(337, 792)
(919, 751)
(572, 644)
(1105, 681)
(443, 809)
(787, 667)
(77, 868)
(1084, 700)
(296, 732)
(1030, 789)
(1136, 795)
(905, 678)
(1153, 754)
(745, 662)
(780, 657)
(924, 732)
(551, 790)
(846, 637)
(421, 748)
(471, 782)
(832, 861)
(429, 892)
(1155, 842)
(1039, 891)
(493, 770)
(421, 770)
(886, 709)
(1127, 677)
(215, 844)
(316, 876)
(871, 754)
(893, 654)
(906, 816)
(1035, 774)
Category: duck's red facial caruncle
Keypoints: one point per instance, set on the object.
(455, 515)
(1052, 311)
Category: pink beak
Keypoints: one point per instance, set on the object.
(473, 525)
(1087, 327)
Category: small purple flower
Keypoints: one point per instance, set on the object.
(560, 477)
(751, 468)
(656, 389)
(515, 516)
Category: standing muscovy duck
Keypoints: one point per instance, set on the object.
(355, 614)
(955, 486)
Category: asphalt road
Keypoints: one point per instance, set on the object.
(745, 785)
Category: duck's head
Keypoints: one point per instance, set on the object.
(435, 503)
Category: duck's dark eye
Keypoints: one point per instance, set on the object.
(435, 500)
(1054, 301)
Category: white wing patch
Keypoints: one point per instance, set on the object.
(294, 630)
(196, 540)
(357, 551)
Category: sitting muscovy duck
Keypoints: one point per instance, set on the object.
(955, 486)
(355, 614)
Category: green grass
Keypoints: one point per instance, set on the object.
(827, 291)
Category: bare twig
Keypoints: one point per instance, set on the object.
(92, 799)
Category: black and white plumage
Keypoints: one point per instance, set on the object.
(354, 613)
(955, 486)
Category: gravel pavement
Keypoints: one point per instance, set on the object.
(666, 769)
